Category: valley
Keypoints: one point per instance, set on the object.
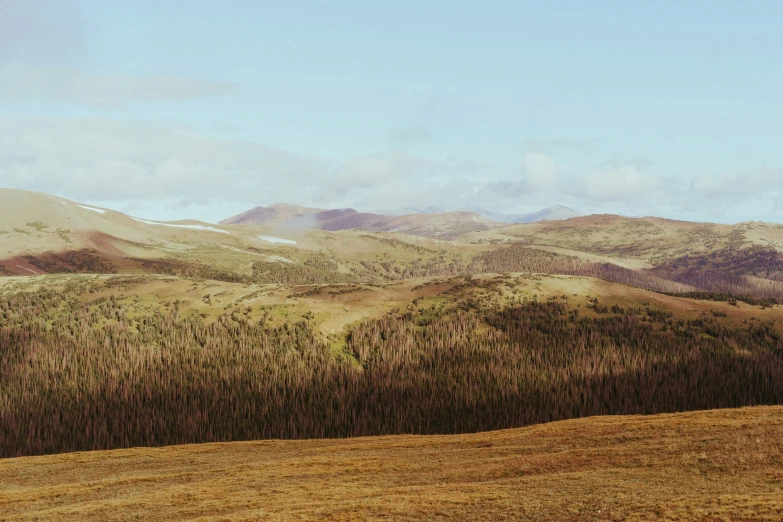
(393, 261)
(270, 349)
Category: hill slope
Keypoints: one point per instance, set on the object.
(33, 223)
(713, 465)
(42, 234)
(124, 361)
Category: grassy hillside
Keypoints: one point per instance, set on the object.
(648, 239)
(707, 465)
(123, 362)
(43, 234)
(145, 333)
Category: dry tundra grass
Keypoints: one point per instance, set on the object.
(708, 465)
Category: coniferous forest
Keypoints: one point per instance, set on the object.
(82, 374)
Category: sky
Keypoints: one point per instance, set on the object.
(203, 109)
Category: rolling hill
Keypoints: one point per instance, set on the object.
(42, 234)
(76, 237)
(706, 465)
(445, 225)
(137, 333)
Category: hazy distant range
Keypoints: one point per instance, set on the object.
(428, 222)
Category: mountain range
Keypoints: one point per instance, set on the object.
(553, 213)
(427, 223)
(118, 331)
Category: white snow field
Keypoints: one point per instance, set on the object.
(191, 227)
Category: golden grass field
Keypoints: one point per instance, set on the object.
(714, 465)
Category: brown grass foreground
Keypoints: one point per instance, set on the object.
(707, 465)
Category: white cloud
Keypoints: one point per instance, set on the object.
(736, 186)
(612, 183)
(394, 179)
(373, 170)
(26, 82)
(39, 29)
(165, 171)
(412, 135)
(539, 171)
(105, 160)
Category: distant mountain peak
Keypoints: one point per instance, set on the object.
(551, 213)
(275, 213)
(439, 224)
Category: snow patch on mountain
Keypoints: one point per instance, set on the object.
(272, 239)
(191, 227)
(98, 210)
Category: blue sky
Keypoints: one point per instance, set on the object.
(201, 109)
